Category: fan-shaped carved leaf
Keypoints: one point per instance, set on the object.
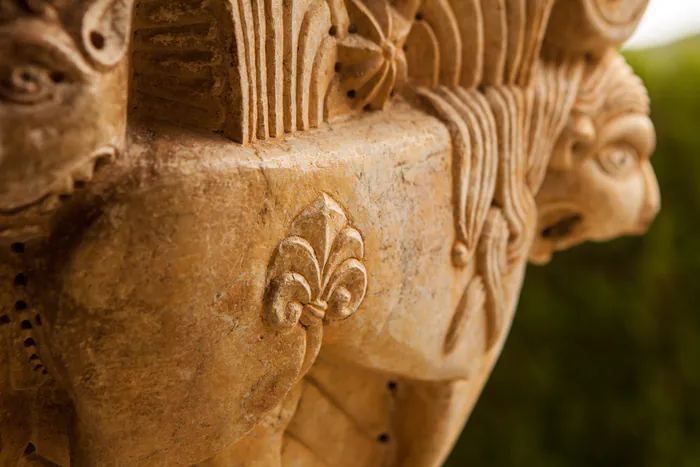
(315, 273)
(297, 255)
(346, 289)
(348, 244)
(319, 223)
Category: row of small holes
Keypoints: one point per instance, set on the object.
(384, 438)
(20, 281)
(20, 305)
(352, 29)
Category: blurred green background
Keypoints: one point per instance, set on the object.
(602, 366)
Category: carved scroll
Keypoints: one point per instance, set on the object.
(316, 273)
(592, 26)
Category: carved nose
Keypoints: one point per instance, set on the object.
(652, 203)
(646, 218)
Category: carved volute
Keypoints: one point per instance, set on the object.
(291, 232)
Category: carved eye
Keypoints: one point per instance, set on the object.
(618, 160)
(28, 84)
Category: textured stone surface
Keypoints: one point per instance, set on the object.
(292, 232)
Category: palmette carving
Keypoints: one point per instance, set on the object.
(494, 114)
(316, 273)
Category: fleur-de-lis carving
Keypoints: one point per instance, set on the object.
(316, 272)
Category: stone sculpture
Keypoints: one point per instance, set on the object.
(291, 232)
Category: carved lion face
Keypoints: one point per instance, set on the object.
(58, 114)
(600, 183)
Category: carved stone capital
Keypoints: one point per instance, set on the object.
(236, 232)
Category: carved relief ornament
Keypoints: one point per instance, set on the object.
(316, 273)
(141, 130)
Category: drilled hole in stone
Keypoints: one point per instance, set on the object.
(30, 449)
(45, 372)
(419, 16)
(261, 337)
(58, 77)
(391, 385)
(101, 161)
(338, 66)
(33, 357)
(20, 280)
(579, 148)
(352, 29)
(20, 305)
(352, 94)
(333, 31)
(26, 324)
(38, 320)
(4, 319)
(383, 438)
(25, 6)
(17, 247)
(29, 342)
(97, 40)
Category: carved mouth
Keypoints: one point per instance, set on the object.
(562, 228)
(62, 190)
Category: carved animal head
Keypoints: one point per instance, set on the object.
(62, 97)
(600, 183)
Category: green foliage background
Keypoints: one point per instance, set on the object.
(602, 367)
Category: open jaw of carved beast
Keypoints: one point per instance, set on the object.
(62, 105)
(600, 183)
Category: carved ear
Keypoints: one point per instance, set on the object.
(106, 31)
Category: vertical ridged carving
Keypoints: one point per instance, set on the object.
(248, 69)
(178, 65)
